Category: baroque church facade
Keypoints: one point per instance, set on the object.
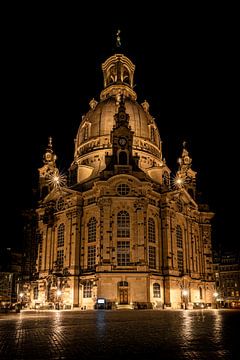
(121, 234)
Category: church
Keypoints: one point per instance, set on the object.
(121, 231)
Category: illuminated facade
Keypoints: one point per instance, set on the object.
(121, 234)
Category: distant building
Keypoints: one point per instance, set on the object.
(10, 273)
(125, 232)
(227, 274)
(30, 243)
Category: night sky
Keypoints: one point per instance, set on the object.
(186, 68)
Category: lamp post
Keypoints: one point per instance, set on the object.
(59, 293)
(184, 294)
(215, 297)
(21, 299)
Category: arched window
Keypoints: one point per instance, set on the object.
(123, 224)
(152, 134)
(156, 290)
(122, 158)
(92, 229)
(111, 75)
(123, 283)
(179, 237)
(151, 230)
(200, 293)
(86, 132)
(126, 76)
(60, 237)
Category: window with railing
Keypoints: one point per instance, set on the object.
(180, 260)
(152, 257)
(60, 258)
(123, 253)
(91, 257)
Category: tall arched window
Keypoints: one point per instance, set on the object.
(92, 229)
(179, 237)
(60, 245)
(60, 237)
(152, 134)
(151, 230)
(86, 132)
(126, 78)
(123, 224)
(111, 75)
(156, 290)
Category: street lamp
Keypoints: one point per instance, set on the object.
(21, 298)
(185, 293)
(59, 293)
(215, 296)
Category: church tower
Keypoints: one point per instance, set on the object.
(47, 171)
(120, 235)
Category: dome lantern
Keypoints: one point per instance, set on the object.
(118, 73)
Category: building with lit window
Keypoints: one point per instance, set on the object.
(120, 233)
(226, 267)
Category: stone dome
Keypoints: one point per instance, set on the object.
(100, 121)
(93, 138)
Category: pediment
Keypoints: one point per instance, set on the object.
(56, 193)
(186, 197)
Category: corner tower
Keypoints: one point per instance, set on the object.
(47, 170)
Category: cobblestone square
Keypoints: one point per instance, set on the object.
(121, 334)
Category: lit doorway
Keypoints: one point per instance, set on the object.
(123, 292)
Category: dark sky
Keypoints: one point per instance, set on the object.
(186, 68)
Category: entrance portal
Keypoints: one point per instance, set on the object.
(123, 292)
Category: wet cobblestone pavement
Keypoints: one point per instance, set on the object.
(131, 334)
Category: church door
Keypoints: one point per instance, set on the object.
(123, 296)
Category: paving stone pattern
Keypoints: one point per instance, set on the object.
(120, 334)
